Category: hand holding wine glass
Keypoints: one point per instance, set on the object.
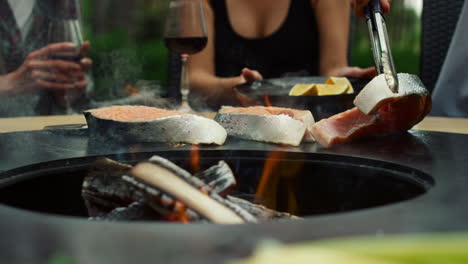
(65, 27)
(185, 34)
(39, 71)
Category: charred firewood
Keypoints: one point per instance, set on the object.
(111, 192)
(163, 177)
(219, 178)
(136, 211)
(259, 211)
(160, 202)
(103, 188)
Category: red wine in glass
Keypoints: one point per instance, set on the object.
(186, 45)
(66, 56)
(185, 34)
(66, 27)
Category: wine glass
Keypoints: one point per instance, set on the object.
(64, 26)
(185, 34)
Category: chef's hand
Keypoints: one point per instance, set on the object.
(360, 5)
(41, 71)
(248, 75)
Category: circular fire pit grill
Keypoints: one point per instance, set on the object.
(304, 184)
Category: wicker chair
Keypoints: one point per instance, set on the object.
(439, 19)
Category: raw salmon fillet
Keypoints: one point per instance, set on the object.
(151, 124)
(269, 124)
(388, 112)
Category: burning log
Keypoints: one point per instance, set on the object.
(259, 211)
(218, 177)
(103, 187)
(135, 211)
(161, 190)
(170, 183)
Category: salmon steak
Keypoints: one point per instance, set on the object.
(150, 124)
(378, 111)
(268, 124)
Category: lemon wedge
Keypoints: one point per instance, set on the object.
(333, 86)
(331, 89)
(341, 81)
(303, 89)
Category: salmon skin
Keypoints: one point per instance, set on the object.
(150, 124)
(268, 124)
(378, 112)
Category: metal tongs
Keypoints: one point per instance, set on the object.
(383, 58)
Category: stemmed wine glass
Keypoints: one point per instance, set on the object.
(185, 34)
(65, 26)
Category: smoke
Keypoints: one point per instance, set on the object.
(117, 81)
(148, 94)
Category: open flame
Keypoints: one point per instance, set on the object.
(195, 159)
(267, 186)
(179, 213)
(275, 173)
(267, 100)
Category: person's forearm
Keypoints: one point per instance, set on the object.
(333, 26)
(214, 90)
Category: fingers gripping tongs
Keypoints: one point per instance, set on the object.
(380, 45)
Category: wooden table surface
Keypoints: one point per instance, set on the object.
(443, 124)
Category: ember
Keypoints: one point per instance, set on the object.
(195, 158)
(160, 190)
(267, 100)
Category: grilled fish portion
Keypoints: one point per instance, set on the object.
(379, 112)
(377, 93)
(267, 124)
(150, 124)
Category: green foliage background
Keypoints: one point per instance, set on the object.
(404, 30)
(127, 45)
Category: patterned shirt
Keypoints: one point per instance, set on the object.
(10, 38)
(15, 46)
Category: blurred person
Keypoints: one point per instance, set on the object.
(450, 95)
(32, 81)
(250, 40)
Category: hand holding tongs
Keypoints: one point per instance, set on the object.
(380, 45)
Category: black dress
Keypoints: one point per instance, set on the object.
(293, 49)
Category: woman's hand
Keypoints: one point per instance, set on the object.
(41, 71)
(85, 62)
(360, 5)
(66, 96)
(248, 75)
